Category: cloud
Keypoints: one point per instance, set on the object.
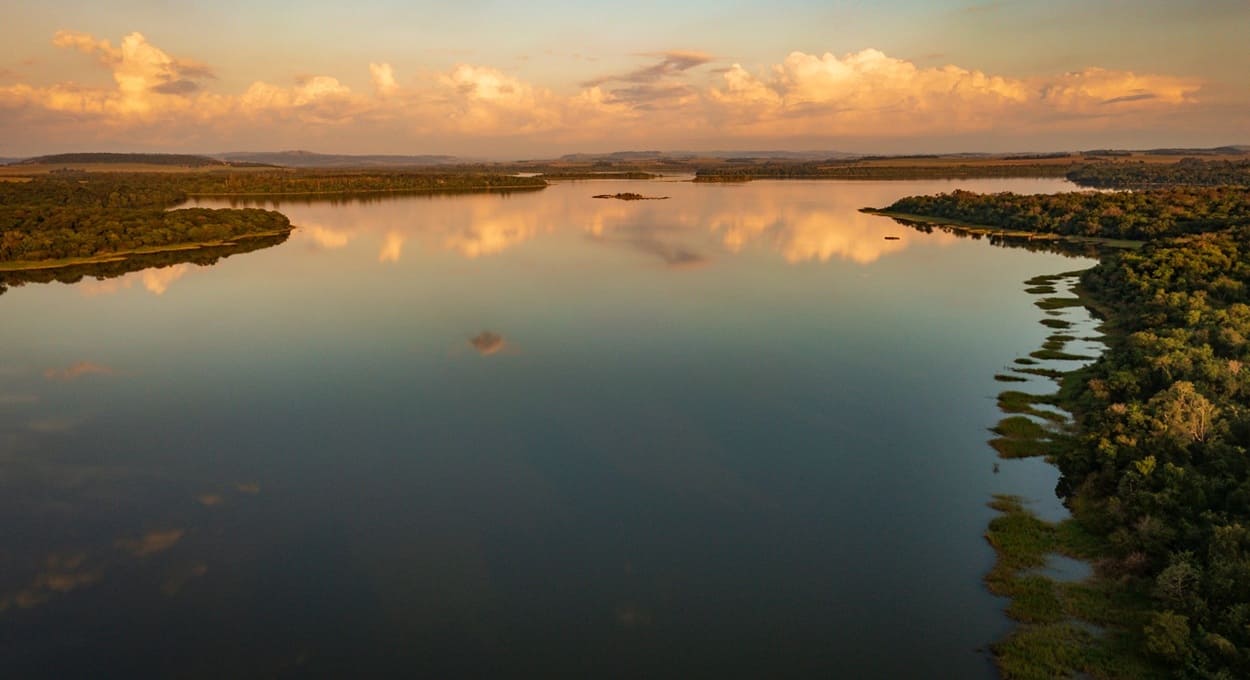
(150, 543)
(392, 247)
(60, 574)
(160, 99)
(669, 64)
(657, 82)
(871, 93)
(77, 371)
(157, 281)
(383, 79)
(325, 237)
(487, 343)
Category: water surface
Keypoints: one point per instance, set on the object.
(737, 432)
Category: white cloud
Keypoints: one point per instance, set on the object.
(160, 97)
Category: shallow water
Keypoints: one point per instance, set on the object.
(734, 432)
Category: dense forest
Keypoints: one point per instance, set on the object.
(64, 218)
(1160, 466)
(91, 215)
(1157, 466)
(854, 170)
(202, 256)
(1141, 215)
(314, 182)
(1188, 172)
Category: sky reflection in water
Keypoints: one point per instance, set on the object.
(734, 432)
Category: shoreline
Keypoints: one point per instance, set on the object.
(356, 192)
(1062, 626)
(989, 230)
(120, 256)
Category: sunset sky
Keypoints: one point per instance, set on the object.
(531, 79)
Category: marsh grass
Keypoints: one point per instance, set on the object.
(1067, 629)
(1056, 303)
(1004, 377)
(1052, 373)
(1048, 354)
(1045, 279)
(1013, 401)
(1056, 323)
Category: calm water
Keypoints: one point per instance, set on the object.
(735, 432)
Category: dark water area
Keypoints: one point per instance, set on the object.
(735, 433)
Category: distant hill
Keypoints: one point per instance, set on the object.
(1214, 151)
(174, 159)
(626, 156)
(308, 159)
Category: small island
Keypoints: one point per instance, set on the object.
(627, 196)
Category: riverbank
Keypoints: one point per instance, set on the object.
(971, 229)
(1075, 621)
(123, 255)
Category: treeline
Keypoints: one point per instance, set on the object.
(1158, 463)
(51, 218)
(288, 182)
(1186, 172)
(36, 233)
(1142, 215)
(204, 257)
(1161, 465)
(853, 170)
(88, 215)
(172, 159)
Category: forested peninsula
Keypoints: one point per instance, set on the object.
(74, 218)
(1155, 465)
(50, 222)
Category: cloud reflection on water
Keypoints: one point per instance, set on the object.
(699, 223)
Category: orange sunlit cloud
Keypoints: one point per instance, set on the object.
(865, 93)
(392, 247)
(77, 371)
(156, 281)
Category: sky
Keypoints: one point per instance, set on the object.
(510, 80)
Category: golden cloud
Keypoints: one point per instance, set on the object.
(860, 93)
(487, 343)
(77, 371)
(150, 543)
(392, 247)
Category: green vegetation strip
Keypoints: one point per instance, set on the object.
(1057, 638)
(1156, 465)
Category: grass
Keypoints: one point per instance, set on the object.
(1009, 448)
(1053, 640)
(1040, 290)
(1005, 377)
(1052, 303)
(1012, 401)
(1089, 628)
(1048, 354)
(1052, 373)
(1045, 279)
(1020, 427)
(1022, 437)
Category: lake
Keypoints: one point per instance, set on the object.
(736, 432)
